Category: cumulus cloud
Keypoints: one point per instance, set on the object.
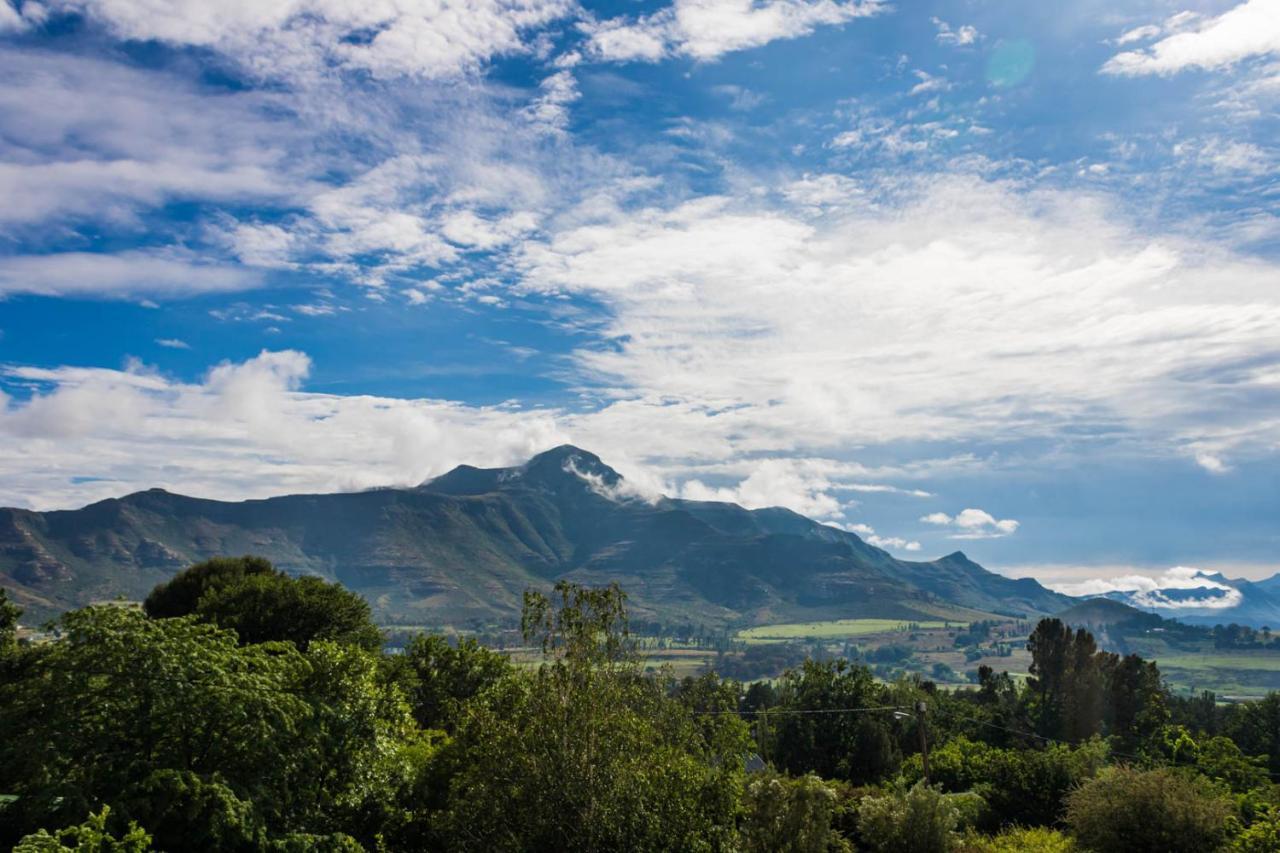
(1247, 30)
(1154, 592)
(707, 29)
(889, 543)
(303, 38)
(973, 524)
(958, 36)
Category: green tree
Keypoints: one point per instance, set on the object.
(790, 815)
(1262, 836)
(586, 753)
(919, 819)
(858, 747)
(217, 743)
(9, 615)
(1152, 811)
(441, 678)
(91, 836)
(181, 594)
(261, 604)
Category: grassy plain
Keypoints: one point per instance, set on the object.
(836, 629)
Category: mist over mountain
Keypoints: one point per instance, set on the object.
(461, 549)
(1207, 598)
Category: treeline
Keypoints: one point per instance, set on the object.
(241, 709)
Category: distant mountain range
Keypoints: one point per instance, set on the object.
(460, 550)
(1211, 598)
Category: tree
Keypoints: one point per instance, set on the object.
(219, 744)
(915, 820)
(586, 753)
(89, 837)
(786, 815)
(181, 594)
(857, 747)
(9, 615)
(1160, 811)
(441, 678)
(261, 604)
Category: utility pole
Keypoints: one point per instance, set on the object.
(921, 707)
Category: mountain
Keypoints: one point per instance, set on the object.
(462, 548)
(1211, 598)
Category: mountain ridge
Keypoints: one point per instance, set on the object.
(461, 548)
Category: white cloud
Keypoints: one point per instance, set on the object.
(973, 524)
(929, 84)
(707, 29)
(173, 343)
(1212, 463)
(120, 275)
(889, 543)
(1147, 591)
(958, 309)
(1249, 29)
(796, 484)
(302, 38)
(960, 36)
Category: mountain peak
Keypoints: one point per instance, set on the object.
(556, 463)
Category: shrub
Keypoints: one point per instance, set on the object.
(89, 837)
(1262, 837)
(790, 816)
(1161, 811)
(917, 820)
(1036, 839)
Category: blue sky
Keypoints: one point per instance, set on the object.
(997, 276)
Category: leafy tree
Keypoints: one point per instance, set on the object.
(261, 604)
(1021, 786)
(217, 743)
(181, 594)
(441, 678)
(1262, 836)
(786, 815)
(1255, 728)
(919, 819)
(89, 837)
(1161, 811)
(858, 747)
(9, 615)
(586, 753)
(263, 608)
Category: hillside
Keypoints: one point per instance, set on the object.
(461, 549)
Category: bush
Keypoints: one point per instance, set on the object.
(917, 820)
(790, 816)
(1161, 811)
(1036, 839)
(1262, 837)
(89, 837)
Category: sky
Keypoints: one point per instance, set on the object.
(1000, 277)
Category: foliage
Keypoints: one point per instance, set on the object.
(790, 815)
(919, 819)
(1036, 839)
(1161, 811)
(261, 604)
(9, 615)
(174, 719)
(858, 747)
(586, 753)
(1021, 786)
(1262, 836)
(89, 837)
(441, 678)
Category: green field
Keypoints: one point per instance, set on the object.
(834, 630)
